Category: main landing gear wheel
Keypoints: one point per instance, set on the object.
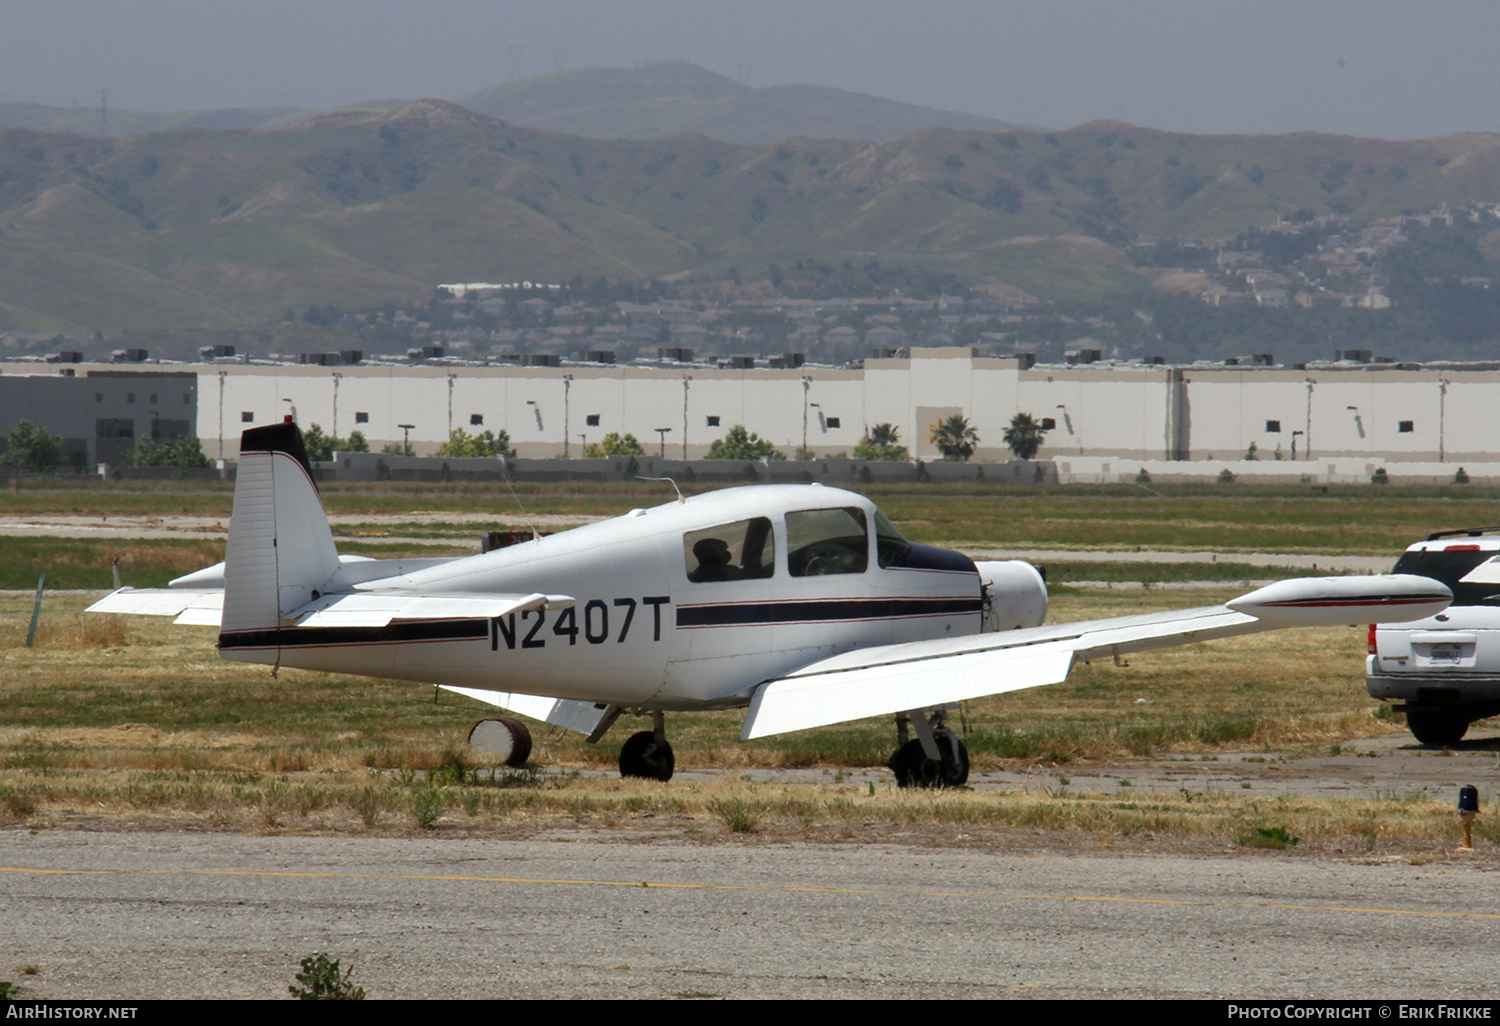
(1437, 728)
(505, 738)
(914, 769)
(645, 756)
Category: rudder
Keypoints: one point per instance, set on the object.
(280, 546)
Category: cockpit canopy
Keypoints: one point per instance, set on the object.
(819, 542)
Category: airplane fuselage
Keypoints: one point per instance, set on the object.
(805, 572)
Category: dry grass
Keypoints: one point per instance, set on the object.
(136, 722)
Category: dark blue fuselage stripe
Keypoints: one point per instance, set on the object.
(411, 631)
(748, 614)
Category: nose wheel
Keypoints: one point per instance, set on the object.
(648, 754)
(935, 758)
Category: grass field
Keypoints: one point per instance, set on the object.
(1357, 519)
(135, 722)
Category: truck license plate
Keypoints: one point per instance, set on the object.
(1444, 654)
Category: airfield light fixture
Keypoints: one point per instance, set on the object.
(406, 438)
(1468, 811)
(663, 433)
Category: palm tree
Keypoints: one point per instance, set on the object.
(884, 435)
(882, 443)
(954, 437)
(1024, 436)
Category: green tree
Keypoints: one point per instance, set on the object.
(881, 444)
(321, 447)
(1024, 436)
(462, 445)
(955, 438)
(740, 444)
(614, 444)
(185, 453)
(33, 447)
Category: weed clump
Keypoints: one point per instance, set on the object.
(321, 981)
(740, 816)
(427, 806)
(1268, 837)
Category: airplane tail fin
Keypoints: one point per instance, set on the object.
(280, 547)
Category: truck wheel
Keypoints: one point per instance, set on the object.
(1437, 728)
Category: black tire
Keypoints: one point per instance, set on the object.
(1437, 728)
(647, 758)
(955, 771)
(914, 769)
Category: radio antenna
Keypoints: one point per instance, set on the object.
(673, 483)
(505, 474)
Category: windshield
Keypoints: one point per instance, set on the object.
(826, 541)
(890, 543)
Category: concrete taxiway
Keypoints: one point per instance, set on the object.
(151, 915)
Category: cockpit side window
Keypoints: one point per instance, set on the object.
(827, 541)
(890, 544)
(744, 550)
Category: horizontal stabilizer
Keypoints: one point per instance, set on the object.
(349, 609)
(581, 717)
(190, 606)
(377, 609)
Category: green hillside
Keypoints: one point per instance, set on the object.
(212, 229)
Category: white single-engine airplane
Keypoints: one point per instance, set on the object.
(801, 602)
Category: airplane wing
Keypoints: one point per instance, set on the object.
(346, 609)
(925, 674)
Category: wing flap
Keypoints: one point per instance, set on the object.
(924, 674)
(569, 714)
(816, 700)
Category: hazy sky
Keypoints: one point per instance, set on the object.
(1393, 69)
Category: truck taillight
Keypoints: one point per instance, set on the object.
(1370, 645)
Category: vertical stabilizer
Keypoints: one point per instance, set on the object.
(280, 545)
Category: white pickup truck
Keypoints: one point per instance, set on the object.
(1444, 671)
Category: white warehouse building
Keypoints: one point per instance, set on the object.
(1105, 420)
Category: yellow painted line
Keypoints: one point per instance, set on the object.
(987, 895)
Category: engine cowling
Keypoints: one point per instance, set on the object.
(1015, 595)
